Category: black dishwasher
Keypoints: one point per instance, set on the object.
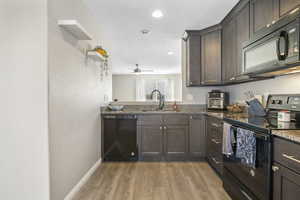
(120, 138)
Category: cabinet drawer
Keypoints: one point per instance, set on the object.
(150, 120)
(216, 161)
(176, 119)
(215, 123)
(215, 145)
(287, 153)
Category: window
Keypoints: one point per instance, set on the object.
(144, 87)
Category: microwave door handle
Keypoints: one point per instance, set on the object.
(282, 55)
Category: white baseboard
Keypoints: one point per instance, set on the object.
(83, 180)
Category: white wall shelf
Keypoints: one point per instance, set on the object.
(74, 28)
(95, 56)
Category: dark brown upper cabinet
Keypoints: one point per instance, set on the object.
(191, 58)
(211, 56)
(236, 31)
(283, 7)
(229, 51)
(262, 15)
(242, 34)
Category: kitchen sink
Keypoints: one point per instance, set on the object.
(169, 110)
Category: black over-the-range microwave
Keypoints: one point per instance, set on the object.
(275, 51)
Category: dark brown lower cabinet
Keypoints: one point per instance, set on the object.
(286, 183)
(171, 137)
(176, 142)
(197, 137)
(214, 135)
(286, 169)
(163, 143)
(151, 142)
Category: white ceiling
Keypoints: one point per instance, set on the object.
(122, 20)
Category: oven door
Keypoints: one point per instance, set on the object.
(276, 51)
(256, 180)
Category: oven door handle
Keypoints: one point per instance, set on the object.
(257, 135)
(261, 136)
(246, 195)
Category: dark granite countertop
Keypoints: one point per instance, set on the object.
(293, 135)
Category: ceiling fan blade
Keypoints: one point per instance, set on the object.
(147, 70)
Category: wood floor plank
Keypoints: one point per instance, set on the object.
(153, 181)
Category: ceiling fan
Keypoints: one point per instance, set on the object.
(139, 70)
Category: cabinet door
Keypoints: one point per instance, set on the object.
(229, 51)
(285, 6)
(192, 50)
(211, 57)
(151, 142)
(286, 183)
(262, 15)
(197, 137)
(242, 35)
(176, 142)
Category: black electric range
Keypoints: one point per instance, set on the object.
(246, 182)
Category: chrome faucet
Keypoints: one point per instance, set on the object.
(161, 99)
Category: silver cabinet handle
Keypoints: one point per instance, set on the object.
(165, 128)
(275, 168)
(191, 82)
(291, 158)
(160, 128)
(215, 160)
(215, 141)
(246, 195)
(232, 78)
(215, 125)
(191, 117)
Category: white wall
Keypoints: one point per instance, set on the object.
(24, 170)
(281, 85)
(75, 95)
(124, 86)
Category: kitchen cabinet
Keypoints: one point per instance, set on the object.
(286, 183)
(197, 137)
(171, 137)
(286, 170)
(163, 137)
(283, 7)
(214, 131)
(242, 35)
(176, 142)
(262, 15)
(236, 31)
(151, 142)
(229, 51)
(211, 56)
(191, 58)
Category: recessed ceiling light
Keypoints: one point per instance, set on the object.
(170, 53)
(157, 14)
(145, 31)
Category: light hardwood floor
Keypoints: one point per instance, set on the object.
(153, 181)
